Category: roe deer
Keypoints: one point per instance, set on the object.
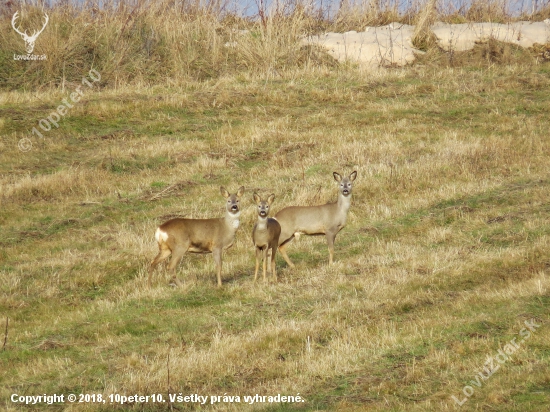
(265, 235)
(326, 219)
(178, 236)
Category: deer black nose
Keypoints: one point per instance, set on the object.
(234, 207)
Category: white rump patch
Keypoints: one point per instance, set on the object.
(159, 234)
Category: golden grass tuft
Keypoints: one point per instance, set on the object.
(423, 38)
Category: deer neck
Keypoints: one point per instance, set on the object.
(232, 219)
(344, 202)
(262, 223)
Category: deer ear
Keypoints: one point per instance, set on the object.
(270, 199)
(337, 177)
(256, 198)
(353, 175)
(240, 192)
(224, 192)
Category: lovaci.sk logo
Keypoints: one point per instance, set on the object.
(29, 40)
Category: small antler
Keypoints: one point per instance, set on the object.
(15, 16)
(35, 34)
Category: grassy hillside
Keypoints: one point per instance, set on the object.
(444, 257)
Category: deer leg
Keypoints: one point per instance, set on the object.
(258, 251)
(285, 256)
(177, 254)
(162, 255)
(331, 236)
(264, 266)
(274, 270)
(217, 254)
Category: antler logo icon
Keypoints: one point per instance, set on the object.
(29, 40)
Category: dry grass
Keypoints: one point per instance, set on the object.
(171, 43)
(444, 257)
(423, 38)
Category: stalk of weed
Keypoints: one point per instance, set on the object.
(423, 37)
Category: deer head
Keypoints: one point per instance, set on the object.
(29, 40)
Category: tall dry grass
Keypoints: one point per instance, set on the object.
(173, 42)
(151, 42)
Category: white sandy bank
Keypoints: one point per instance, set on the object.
(392, 44)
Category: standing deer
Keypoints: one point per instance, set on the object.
(325, 220)
(178, 236)
(265, 236)
(29, 40)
